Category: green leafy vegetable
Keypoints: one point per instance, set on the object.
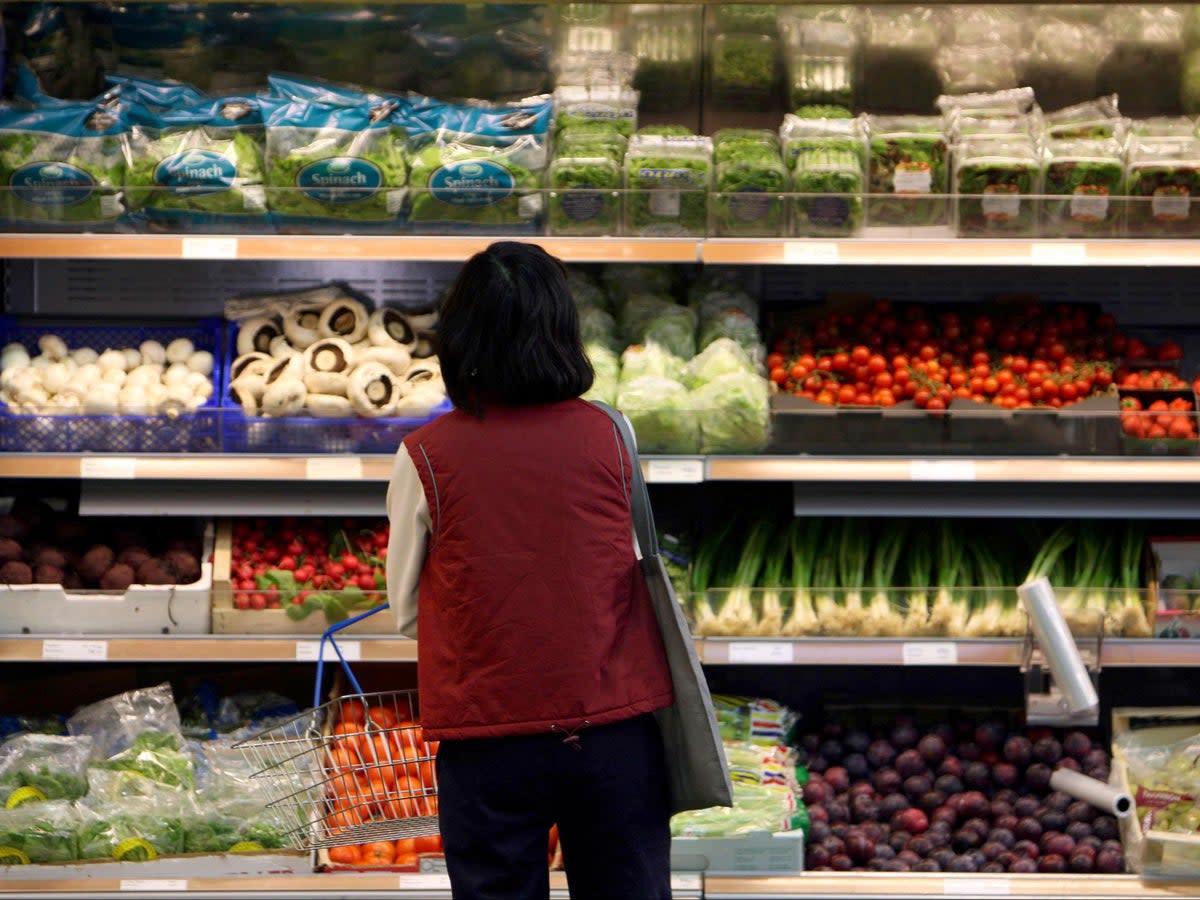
(735, 414)
(743, 66)
(828, 183)
(821, 83)
(823, 111)
(1164, 182)
(908, 162)
(39, 833)
(475, 185)
(750, 180)
(156, 756)
(997, 181)
(662, 414)
(584, 194)
(799, 134)
(1088, 175)
(668, 180)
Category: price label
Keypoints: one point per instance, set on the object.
(107, 467)
(810, 251)
(943, 470)
(208, 248)
(1058, 253)
(334, 468)
(675, 471)
(431, 881)
(685, 881)
(761, 652)
(154, 884)
(930, 653)
(307, 651)
(974, 886)
(78, 651)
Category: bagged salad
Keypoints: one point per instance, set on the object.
(909, 161)
(64, 164)
(584, 179)
(665, 39)
(157, 94)
(35, 768)
(199, 167)
(479, 168)
(828, 182)
(668, 178)
(750, 181)
(734, 412)
(997, 181)
(1094, 120)
(1163, 183)
(1089, 175)
(613, 105)
(40, 833)
(335, 168)
(743, 69)
(799, 133)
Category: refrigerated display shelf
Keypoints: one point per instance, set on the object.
(991, 652)
(658, 469)
(867, 251)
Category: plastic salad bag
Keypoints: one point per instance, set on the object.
(39, 833)
(40, 767)
(114, 723)
(734, 412)
(722, 357)
(650, 359)
(662, 415)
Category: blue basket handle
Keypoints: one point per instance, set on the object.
(327, 636)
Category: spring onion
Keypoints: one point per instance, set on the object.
(804, 538)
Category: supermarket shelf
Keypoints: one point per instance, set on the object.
(817, 886)
(713, 651)
(867, 251)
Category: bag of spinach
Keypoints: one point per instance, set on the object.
(667, 179)
(64, 165)
(335, 168)
(157, 94)
(478, 169)
(200, 167)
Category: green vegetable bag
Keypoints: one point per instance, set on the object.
(667, 179)
(908, 171)
(997, 181)
(750, 181)
(584, 181)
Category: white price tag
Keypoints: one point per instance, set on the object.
(675, 471)
(975, 886)
(154, 884)
(1062, 253)
(107, 467)
(333, 468)
(685, 881)
(208, 248)
(432, 881)
(307, 651)
(943, 470)
(78, 651)
(762, 652)
(810, 251)
(930, 653)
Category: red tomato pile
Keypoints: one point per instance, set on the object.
(379, 767)
(1151, 380)
(276, 562)
(1014, 355)
(1174, 419)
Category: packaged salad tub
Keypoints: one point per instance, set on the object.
(828, 183)
(750, 182)
(584, 181)
(798, 134)
(1062, 63)
(612, 105)
(666, 39)
(908, 171)
(667, 178)
(996, 182)
(1083, 181)
(743, 70)
(820, 61)
(1163, 178)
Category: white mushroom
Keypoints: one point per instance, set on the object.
(300, 325)
(112, 359)
(284, 398)
(152, 352)
(32, 396)
(179, 350)
(155, 395)
(40, 361)
(133, 359)
(373, 389)
(287, 367)
(24, 378)
(65, 405)
(394, 357)
(251, 384)
(421, 400)
(178, 400)
(255, 335)
(133, 400)
(87, 374)
(13, 356)
(145, 374)
(101, 403)
(280, 347)
(246, 399)
(55, 377)
(250, 364)
(201, 361)
(198, 382)
(329, 355)
(113, 376)
(328, 406)
(344, 318)
(84, 355)
(52, 346)
(388, 327)
(423, 320)
(177, 373)
(332, 383)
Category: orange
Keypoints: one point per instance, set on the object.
(378, 853)
(398, 808)
(353, 710)
(429, 844)
(383, 716)
(346, 856)
(378, 750)
(344, 759)
(343, 818)
(344, 784)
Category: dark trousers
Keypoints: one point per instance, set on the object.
(607, 791)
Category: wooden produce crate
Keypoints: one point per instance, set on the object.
(140, 609)
(228, 619)
(1150, 852)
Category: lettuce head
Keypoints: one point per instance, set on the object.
(662, 414)
(734, 413)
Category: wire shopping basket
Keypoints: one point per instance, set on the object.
(352, 770)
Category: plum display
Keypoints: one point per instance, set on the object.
(917, 806)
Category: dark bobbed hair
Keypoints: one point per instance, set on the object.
(508, 331)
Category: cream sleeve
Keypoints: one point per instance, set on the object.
(410, 524)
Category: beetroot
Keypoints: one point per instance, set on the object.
(880, 754)
(1077, 744)
(887, 781)
(837, 779)
(1037, 778)
(1052, 865)
(910, 763)
(1023, 865)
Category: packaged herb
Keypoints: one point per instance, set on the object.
(1094, 120)
(996, 182)
(665, 39)
(667, 179)
(899, 73)
(614, 105)
(798, 134)
(584, 66)
(828, 184)
(743, 68)
(1163, 177)
(907, 172)
(664, 131)
(823, 111)
(584, 196)
(1088, 176)
(589, 141)
(64, 164)
(736, 141)
(751, 180)
(1062, 62)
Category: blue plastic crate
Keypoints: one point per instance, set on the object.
(304, 434)
(198, 432)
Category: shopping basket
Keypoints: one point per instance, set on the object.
(352, 770)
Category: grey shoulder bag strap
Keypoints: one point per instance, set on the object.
(696, 764)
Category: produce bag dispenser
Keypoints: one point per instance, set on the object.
(1061, 668)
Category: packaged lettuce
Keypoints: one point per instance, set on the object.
(743, 68)
(39, 833)
(157, 94)
(668, 179)
(820, 79)
(651, 359)
(606, 367)
(828, 183)
(1163, 176)
(664, 130)
(1004, 103)
(1094, 120)
(734, 142)
(721, 295)
(199, 167)
(799, 133)
(757, 808)
(35, 768)
(336, 168)
(585, 180)
(750, 181)
(909, 162)
(1088, 175)
(612, 104)
(996, 182)
(722, 356)
(662, 415)
(639, 309)
(674, 329)
(1162, 127)
(64, 164)
(735, 413)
